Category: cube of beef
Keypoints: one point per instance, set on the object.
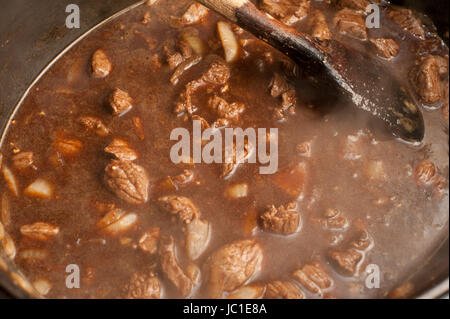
(282, 290)
(351, 23)
(426, 78)
(406, 20)
(281, 220)
(232, 265)
(120, 102)
(313, 277)
(386, 48)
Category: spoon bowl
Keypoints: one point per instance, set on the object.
(358, 77)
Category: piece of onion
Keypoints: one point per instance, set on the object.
(117, 221)
(10, 180)
(198, 233)
(237, 191)
(229, 42)
(247, 292)
(195, 42)
(42, 286)
(39, 188)
(9, 248)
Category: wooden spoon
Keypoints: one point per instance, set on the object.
(362, 79)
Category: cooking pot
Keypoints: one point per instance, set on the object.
(33, 33)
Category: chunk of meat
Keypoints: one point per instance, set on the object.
(143, 286)
(94, 124)
(220, 123)
(287, 11)
(426, 79)
(406, 20)
(128, 181)
(194, 14)
(197, 237)
(317, 25)
(425, 172)
(176, 52)
(193, 272)
(67, 146)
(334, 220)
(217, 74)
(351, 23)
(101, 64)
(232, 265)
(235, 156)
(281, 220)
(352, 4)
(178, 181)
(363, 243)
(442, 64)
(149, 240)
(347, 261)
(385, 48)
(172, 269)
(313, 277)
(183, 67)
(40, 231)
(282, 290)
(121, 150)
(288, 99)
(23, 160)
(181, 206)
(304, 149)
(120, 102)
(182, 179)
(174, 59)
(224, 109)
(292, 180)
(278, 85)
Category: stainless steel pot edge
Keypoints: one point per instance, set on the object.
(11, 286)
(441, 290)
(58, 56)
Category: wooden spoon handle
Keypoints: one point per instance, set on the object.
(227, 8)
(296, 45)
(362, 79)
